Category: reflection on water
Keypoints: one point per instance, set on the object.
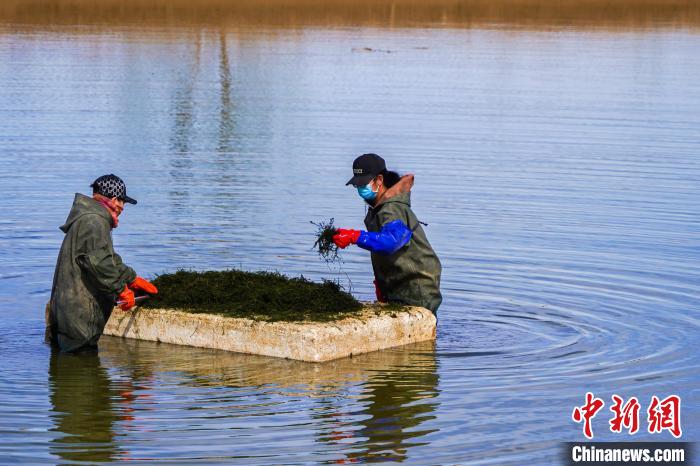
(392, 393)
(227, 109)
(555, 146)
(391, 13)
(397, 403)
(82, 400)
(183, 104)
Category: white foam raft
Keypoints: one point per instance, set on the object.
(364, 332)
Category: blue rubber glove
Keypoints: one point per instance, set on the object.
(392, 237)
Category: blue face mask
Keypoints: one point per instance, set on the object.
(366, 192)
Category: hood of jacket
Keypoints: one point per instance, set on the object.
(400, 192)
(84, 205)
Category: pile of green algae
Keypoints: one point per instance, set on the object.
(266, 296)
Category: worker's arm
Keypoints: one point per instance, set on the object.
(124, 269)
(392, 237)
(138, 283)
(97, 259)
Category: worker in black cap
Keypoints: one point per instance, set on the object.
(90, 277)
(406, 268)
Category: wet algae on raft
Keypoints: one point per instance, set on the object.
(257, 295)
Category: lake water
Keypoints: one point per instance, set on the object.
(556, 152)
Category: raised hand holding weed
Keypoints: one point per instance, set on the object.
(327, 249)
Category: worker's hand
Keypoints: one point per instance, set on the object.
(343, 238)
(127, 299)
(378, 292)
(141, 284)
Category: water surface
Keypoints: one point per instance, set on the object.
(556, 162)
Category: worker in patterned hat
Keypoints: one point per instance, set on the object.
(90, 277)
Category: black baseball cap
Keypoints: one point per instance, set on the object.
(365, 168)
(111, 186)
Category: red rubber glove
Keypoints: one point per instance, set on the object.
(128, 299)
(378, 292)
(141, 284)
(343, 238)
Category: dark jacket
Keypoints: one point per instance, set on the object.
(89, 275)
(412, 274)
